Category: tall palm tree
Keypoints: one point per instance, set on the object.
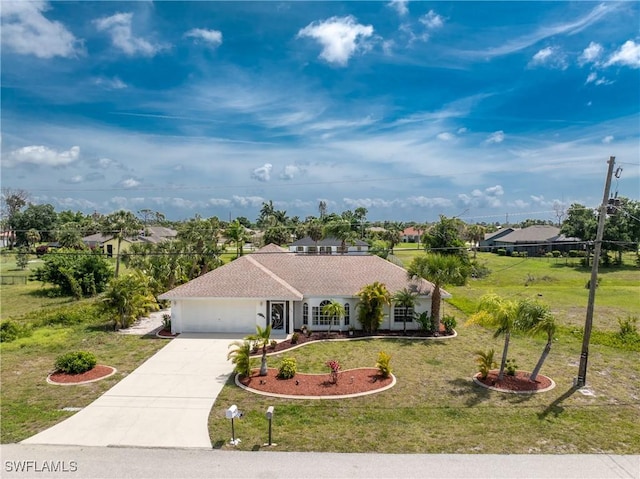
(406, 299)
(262, 337)
(200, 238)
(475, 234)
(373, 298)
(236, 233)
(334, 310)
(121, 225)
(536, 320)
(440, 270)
(315, 231)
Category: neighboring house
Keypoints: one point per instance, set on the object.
(273, 286)
(411, 235)
(328, 246)
(109, 245)
(537, 240)
(489, 241)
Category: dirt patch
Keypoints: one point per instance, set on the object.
(519, 382)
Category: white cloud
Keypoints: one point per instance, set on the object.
(118, 26)
(262, 173)
(27, 31)
(496, 137)
(369, 203)
(219, 202)
(110, 83)
(482, 199)
(607, 139)
(400, 6)
(591, 54)
(247, 201)
(550, 57)
(426, 202)
(596, 80)
(462, 130)
(129, 183)
(519, 204)
(432, 20)
(212, 37)
(446, 136)
(290, 172)
(73, 180)
(42, 156)
(340, 38)
(628, 54)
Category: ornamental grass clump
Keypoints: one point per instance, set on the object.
(334, 366)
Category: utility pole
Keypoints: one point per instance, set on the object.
(602, 216)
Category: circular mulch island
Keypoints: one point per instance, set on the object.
(96, 374)
(516, 384)
(163, 333)
(351, 383)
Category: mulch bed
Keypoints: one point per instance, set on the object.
(518, 383)
(164, 333)
(352, 381)
(99, 371)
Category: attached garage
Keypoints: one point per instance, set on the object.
(215, 316)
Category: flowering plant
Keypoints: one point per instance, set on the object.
(335, 368)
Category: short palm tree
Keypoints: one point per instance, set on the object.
(241, 357)
(373, 297)
(334, 310)
(537, 320)
(440, 270)
(406, 299)
(262, 337)
(127, 298)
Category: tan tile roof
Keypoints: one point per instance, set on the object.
(273, 272)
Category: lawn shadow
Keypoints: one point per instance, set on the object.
(473, 393)
(555, 407)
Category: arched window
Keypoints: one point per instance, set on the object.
(347, 319)
(305, 313)
(324, 319)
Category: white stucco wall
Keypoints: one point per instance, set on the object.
(215, 316)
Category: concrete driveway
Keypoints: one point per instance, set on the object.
(163, 403)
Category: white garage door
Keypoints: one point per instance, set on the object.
(222, 316)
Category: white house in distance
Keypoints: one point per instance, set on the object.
(328, 246)
(288, 290)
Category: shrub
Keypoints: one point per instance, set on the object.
(556, 253)
(42, 250)
(273, 343)
(501, 252)
(294, 338)
(11, 330)
(287, 368)
(76, 362)
(485, 362)
(449, 322)
(22, 258)
(383, 364)
(479, 270)
(511, 367)
(425, 321)
(241, 357)
(628, 327)
(334, 367)
(166, 321)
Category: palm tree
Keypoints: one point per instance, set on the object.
(314, 230)
(127, 298)
(334, 310)
(262, 337)
(475, 234)
(440, 270)
(68, 236)
(373, 297)
(120, 225)
(241, 357)
(236, 234)
(341, 230)
(406, 299)
(33, 236)
(538, 319)
(200, 238)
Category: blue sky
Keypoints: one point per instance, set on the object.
(410, 109)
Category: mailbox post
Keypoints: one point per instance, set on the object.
(270, 419)
(233, 413)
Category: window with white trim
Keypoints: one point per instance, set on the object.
(400, 313)
(305, 313)
(347, 319)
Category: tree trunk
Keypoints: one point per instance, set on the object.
(503, 363)
(545, 353)
(263, 362)
(435, 308)
(118, 258)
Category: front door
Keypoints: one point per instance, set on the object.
(277, 315)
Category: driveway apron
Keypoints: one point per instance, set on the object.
(163, 403)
